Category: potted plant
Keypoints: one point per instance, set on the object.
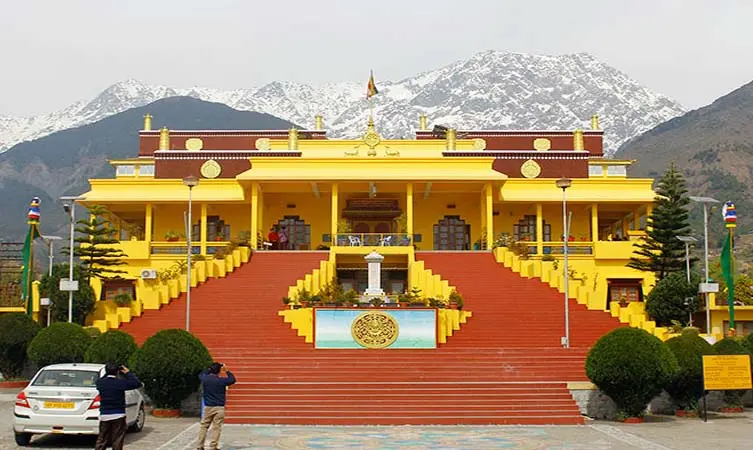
(172, 236)
(244, 238)
(304, 297)
(286, 301)
(456, 300)
(343, 228)
(403, 300)
(376, 302)
(316, 300)
(219, 237)
(123, 300)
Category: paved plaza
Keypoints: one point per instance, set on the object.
(659, 433)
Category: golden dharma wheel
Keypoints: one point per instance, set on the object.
(375, 329)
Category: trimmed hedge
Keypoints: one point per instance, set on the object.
(93, 332)
(631, 367)
(17, 330)
(732, 346)
(61, 342)
(686, 387)
(748, 343)
(169, 364)
(114, 346)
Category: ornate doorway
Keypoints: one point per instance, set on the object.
(298, 231)
(452, 233)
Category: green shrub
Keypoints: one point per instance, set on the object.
(61, 342)
(748, 342)
(93, 332)
(631, 367)
(666, 301)
(83, 298)
(169, 364)
(686, 387)
(113, 346)
(732, 346)
(16, 332)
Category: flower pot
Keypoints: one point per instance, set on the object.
(172, 239)
(633, 420)
(732, 409)
(453, 306)
(164, 412)
(686, 413)
(404, 304)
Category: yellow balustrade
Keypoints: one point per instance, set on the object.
(301, 320)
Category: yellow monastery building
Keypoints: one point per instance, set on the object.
(443, 190)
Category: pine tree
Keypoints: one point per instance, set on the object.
(661, 252)
(95, 237)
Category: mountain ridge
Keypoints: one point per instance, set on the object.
(489, 90)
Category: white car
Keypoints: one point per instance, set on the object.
(63, 399)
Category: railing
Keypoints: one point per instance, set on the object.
(373, 240)
(174, 248)
(558, 248)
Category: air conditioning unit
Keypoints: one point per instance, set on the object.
(148, 274)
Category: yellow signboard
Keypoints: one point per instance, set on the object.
(726, 372)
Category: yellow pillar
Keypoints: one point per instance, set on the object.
(148, 223)
(261, 215)
(254, 214)
(637, 219)
(539, 229)
(482, 203)
(203, 229)
(649, 210)
(489, 217)
(594, 222)
(334, 211)
(409, 209)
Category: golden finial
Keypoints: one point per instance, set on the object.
(147, 122)
(422, 122)
(293, 139)
(578, 140)
(164, 139)
(595, 122)
(319, 122)
(451, 136)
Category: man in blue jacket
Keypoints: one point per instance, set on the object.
(214, 386)
(112, 405)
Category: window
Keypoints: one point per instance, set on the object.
(146, 170)
(616, 171)
(128, 170)
(624, 293)
(451, 233)
(68, 378)
(525, 229)
(595, 171)
(742, 327)
(113, 289)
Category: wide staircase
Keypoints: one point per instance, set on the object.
(504, 367)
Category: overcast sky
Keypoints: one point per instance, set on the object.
(55, 52)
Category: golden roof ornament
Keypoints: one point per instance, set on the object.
(318, 122)
(147, 122)
(595, 122)
(578, 145)
(164, 139)
(292, 139)
(451, 139)
(422, 122)
(542, 144)
(530, 169)
(371, 137)
(194, 144)
(211, 169)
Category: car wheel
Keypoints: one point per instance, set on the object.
(140, 420)
(23, 439)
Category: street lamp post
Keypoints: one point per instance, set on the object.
(191, 182)
(69, 205)
(564, 183)
(706, 201)
(687, 240)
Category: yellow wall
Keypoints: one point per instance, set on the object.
(427, 212)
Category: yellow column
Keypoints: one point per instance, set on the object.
(335, 213)
(203, 229)
(489, 217)
(594, 222)
(261, 214)
(148, 223)
(409, 209)
(254, 214)
(482, 205)
(637, 219)
(649, 210)
(539, 229)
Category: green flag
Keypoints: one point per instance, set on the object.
(728, 272)
(28, 254)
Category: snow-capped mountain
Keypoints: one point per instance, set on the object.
(491, 90)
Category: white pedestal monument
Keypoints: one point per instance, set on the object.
(375, 275)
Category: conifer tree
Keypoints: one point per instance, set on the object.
(661, 252)
(95, 238)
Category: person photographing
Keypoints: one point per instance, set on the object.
(214, 382)
(112, 405)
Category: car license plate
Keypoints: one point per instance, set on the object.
(59, 405)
